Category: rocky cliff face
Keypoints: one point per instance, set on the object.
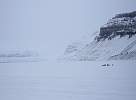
(115, 41)
(120, 25)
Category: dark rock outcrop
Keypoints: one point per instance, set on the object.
(120, 25)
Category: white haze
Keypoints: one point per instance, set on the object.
(48, 26)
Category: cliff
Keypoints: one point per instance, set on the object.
(116, 40)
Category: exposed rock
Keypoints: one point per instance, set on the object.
(120, 25)
(115, 41)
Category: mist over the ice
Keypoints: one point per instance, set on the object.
(48, 26)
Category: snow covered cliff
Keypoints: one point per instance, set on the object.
(116, 40)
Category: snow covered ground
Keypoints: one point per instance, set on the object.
(60, 80)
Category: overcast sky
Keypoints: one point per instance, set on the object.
(50, 25)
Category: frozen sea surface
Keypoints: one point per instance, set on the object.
(52, 80)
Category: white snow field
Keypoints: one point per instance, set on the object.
(54, 80)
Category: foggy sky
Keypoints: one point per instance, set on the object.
(50, 25)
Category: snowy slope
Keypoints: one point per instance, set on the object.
(115, 41)
(128, 53)
(75, 47)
